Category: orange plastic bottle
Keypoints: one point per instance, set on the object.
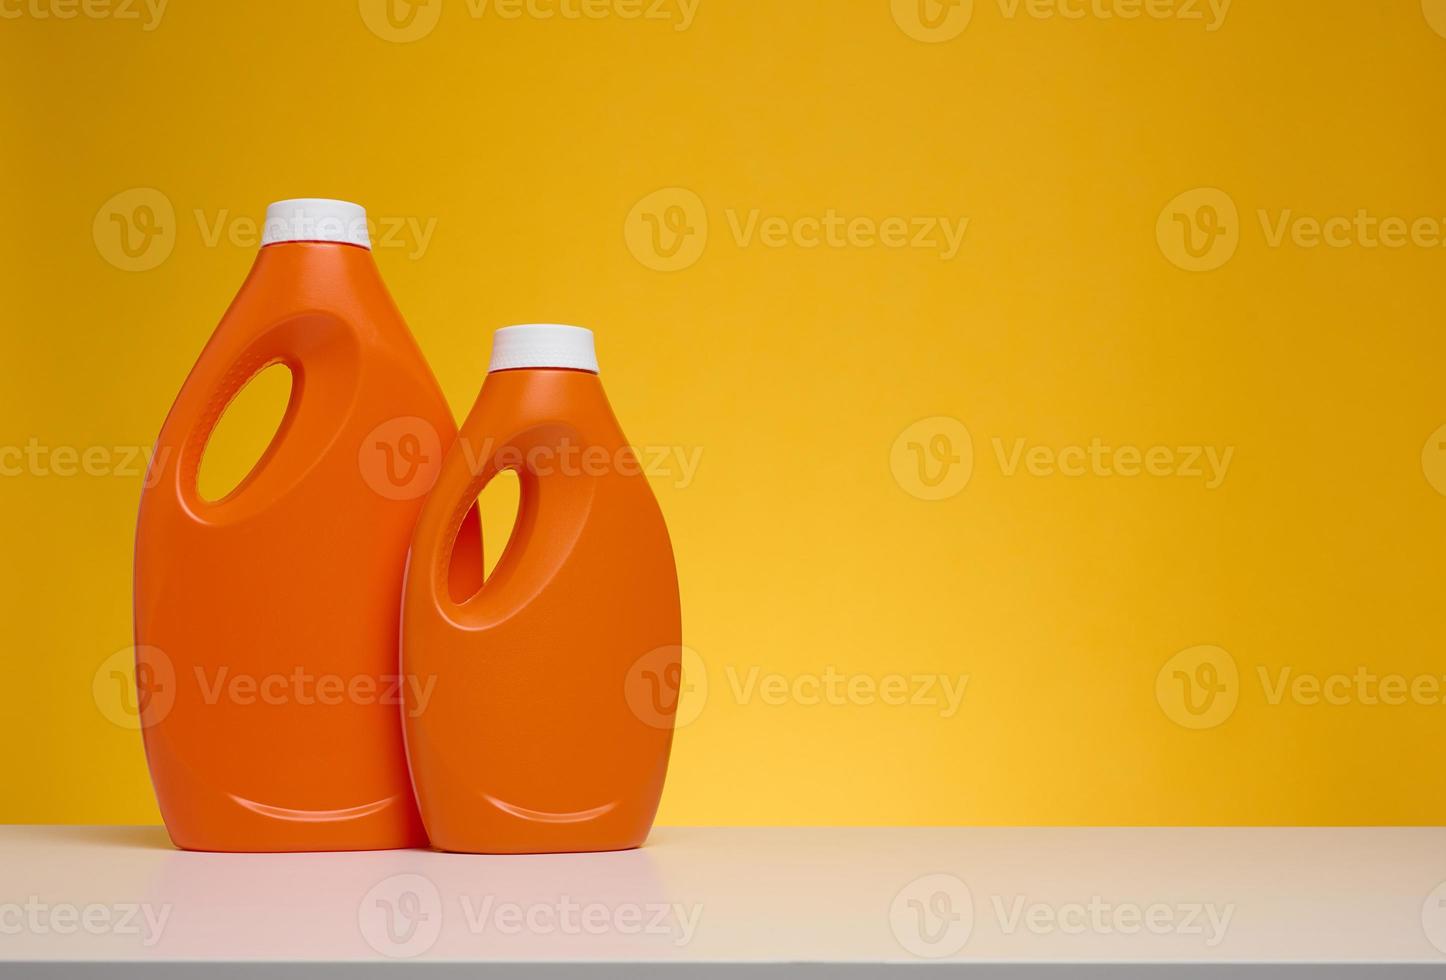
(267, 622)
(553, 688)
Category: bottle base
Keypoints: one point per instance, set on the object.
(500, 850)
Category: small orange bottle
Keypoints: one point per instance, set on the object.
(267, 622)
(554, 687)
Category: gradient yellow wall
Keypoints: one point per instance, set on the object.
(1086, 357)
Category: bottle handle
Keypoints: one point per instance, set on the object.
(553, 503)
(322, 353)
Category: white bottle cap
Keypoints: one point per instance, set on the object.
(543, 345)
(316, 219)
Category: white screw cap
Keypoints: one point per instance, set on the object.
(316, 219)
(543, 345)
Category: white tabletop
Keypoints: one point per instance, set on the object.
(756, 895)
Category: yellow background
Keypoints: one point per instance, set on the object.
(1062, 319)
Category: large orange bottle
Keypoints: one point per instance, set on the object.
(267, 622)
(553, 688)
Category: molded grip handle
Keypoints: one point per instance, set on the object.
(322, 352)
(555, 498)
